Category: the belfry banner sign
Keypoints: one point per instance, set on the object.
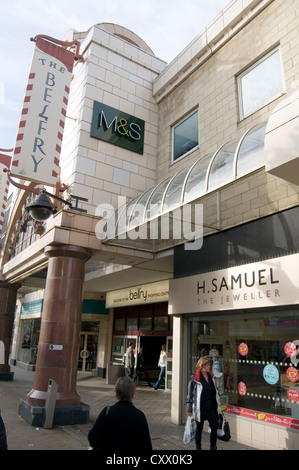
(39, 138)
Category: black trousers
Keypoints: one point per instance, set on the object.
(212, 418)
(130, 372)
(143, 372)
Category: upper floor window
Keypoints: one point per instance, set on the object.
(260, 84)
(185, 136)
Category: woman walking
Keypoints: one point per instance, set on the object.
(162, 365)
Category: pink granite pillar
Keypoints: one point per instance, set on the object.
(8, 295)
(58, 346)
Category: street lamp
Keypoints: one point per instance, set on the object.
(41, 208)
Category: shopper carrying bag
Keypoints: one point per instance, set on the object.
(204, 402)
(223, 431)
(190, 429)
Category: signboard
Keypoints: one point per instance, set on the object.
(286, 421)
(146, 293)
(118, 128)
(267, 283)
(39, 138)
(5, 161)
(56, 347)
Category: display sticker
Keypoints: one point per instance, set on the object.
(242, 389)
(292, 374)
(243, 349)
(290, 349)
(293, 395)
(271, 374)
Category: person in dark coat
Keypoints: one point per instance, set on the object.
(3, 439)
(122, 426)
(141, 369)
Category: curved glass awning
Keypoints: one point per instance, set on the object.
(212, 171)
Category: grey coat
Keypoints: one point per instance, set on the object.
(194, 396)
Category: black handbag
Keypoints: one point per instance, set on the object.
(223, 431)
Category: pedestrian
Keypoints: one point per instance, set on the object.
(121, 427)
(130, 360)
(203, 401)
(162, 365)
(3, 439)
(141, 369)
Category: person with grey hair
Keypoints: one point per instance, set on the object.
(122, 426)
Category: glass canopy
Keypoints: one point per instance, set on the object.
(212, 171)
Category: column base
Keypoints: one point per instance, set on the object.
(63, 415)
(101, 372)
(6, 375)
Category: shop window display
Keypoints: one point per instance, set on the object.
(254, 359)
(29, 343)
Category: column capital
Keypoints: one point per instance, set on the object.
(9, 285)
(68, 251)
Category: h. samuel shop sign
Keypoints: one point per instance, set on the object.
(118, 128)
(268, 283)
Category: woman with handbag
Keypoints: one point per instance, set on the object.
(203, 401)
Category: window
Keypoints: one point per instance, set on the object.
(253, 359)
(185, 136)
(260, 84)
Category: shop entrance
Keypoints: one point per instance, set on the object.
(151, 347)
(88, 351)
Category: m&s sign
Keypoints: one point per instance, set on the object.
(118, 128)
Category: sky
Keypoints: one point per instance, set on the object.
(167, 26)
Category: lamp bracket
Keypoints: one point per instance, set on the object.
(68, 201)
(59, 188)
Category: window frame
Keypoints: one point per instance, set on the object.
(175, 126)
(257, 62)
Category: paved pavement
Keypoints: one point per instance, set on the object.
(93, 391)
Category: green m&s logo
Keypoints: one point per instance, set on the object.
(118, 128)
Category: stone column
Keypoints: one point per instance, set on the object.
(58, 346)
(8, 295)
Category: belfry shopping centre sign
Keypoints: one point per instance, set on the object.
(269, 283)
(118, 128)
(145, 293)
(39, 138)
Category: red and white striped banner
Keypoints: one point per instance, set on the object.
(39, 138)
(5, 161)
